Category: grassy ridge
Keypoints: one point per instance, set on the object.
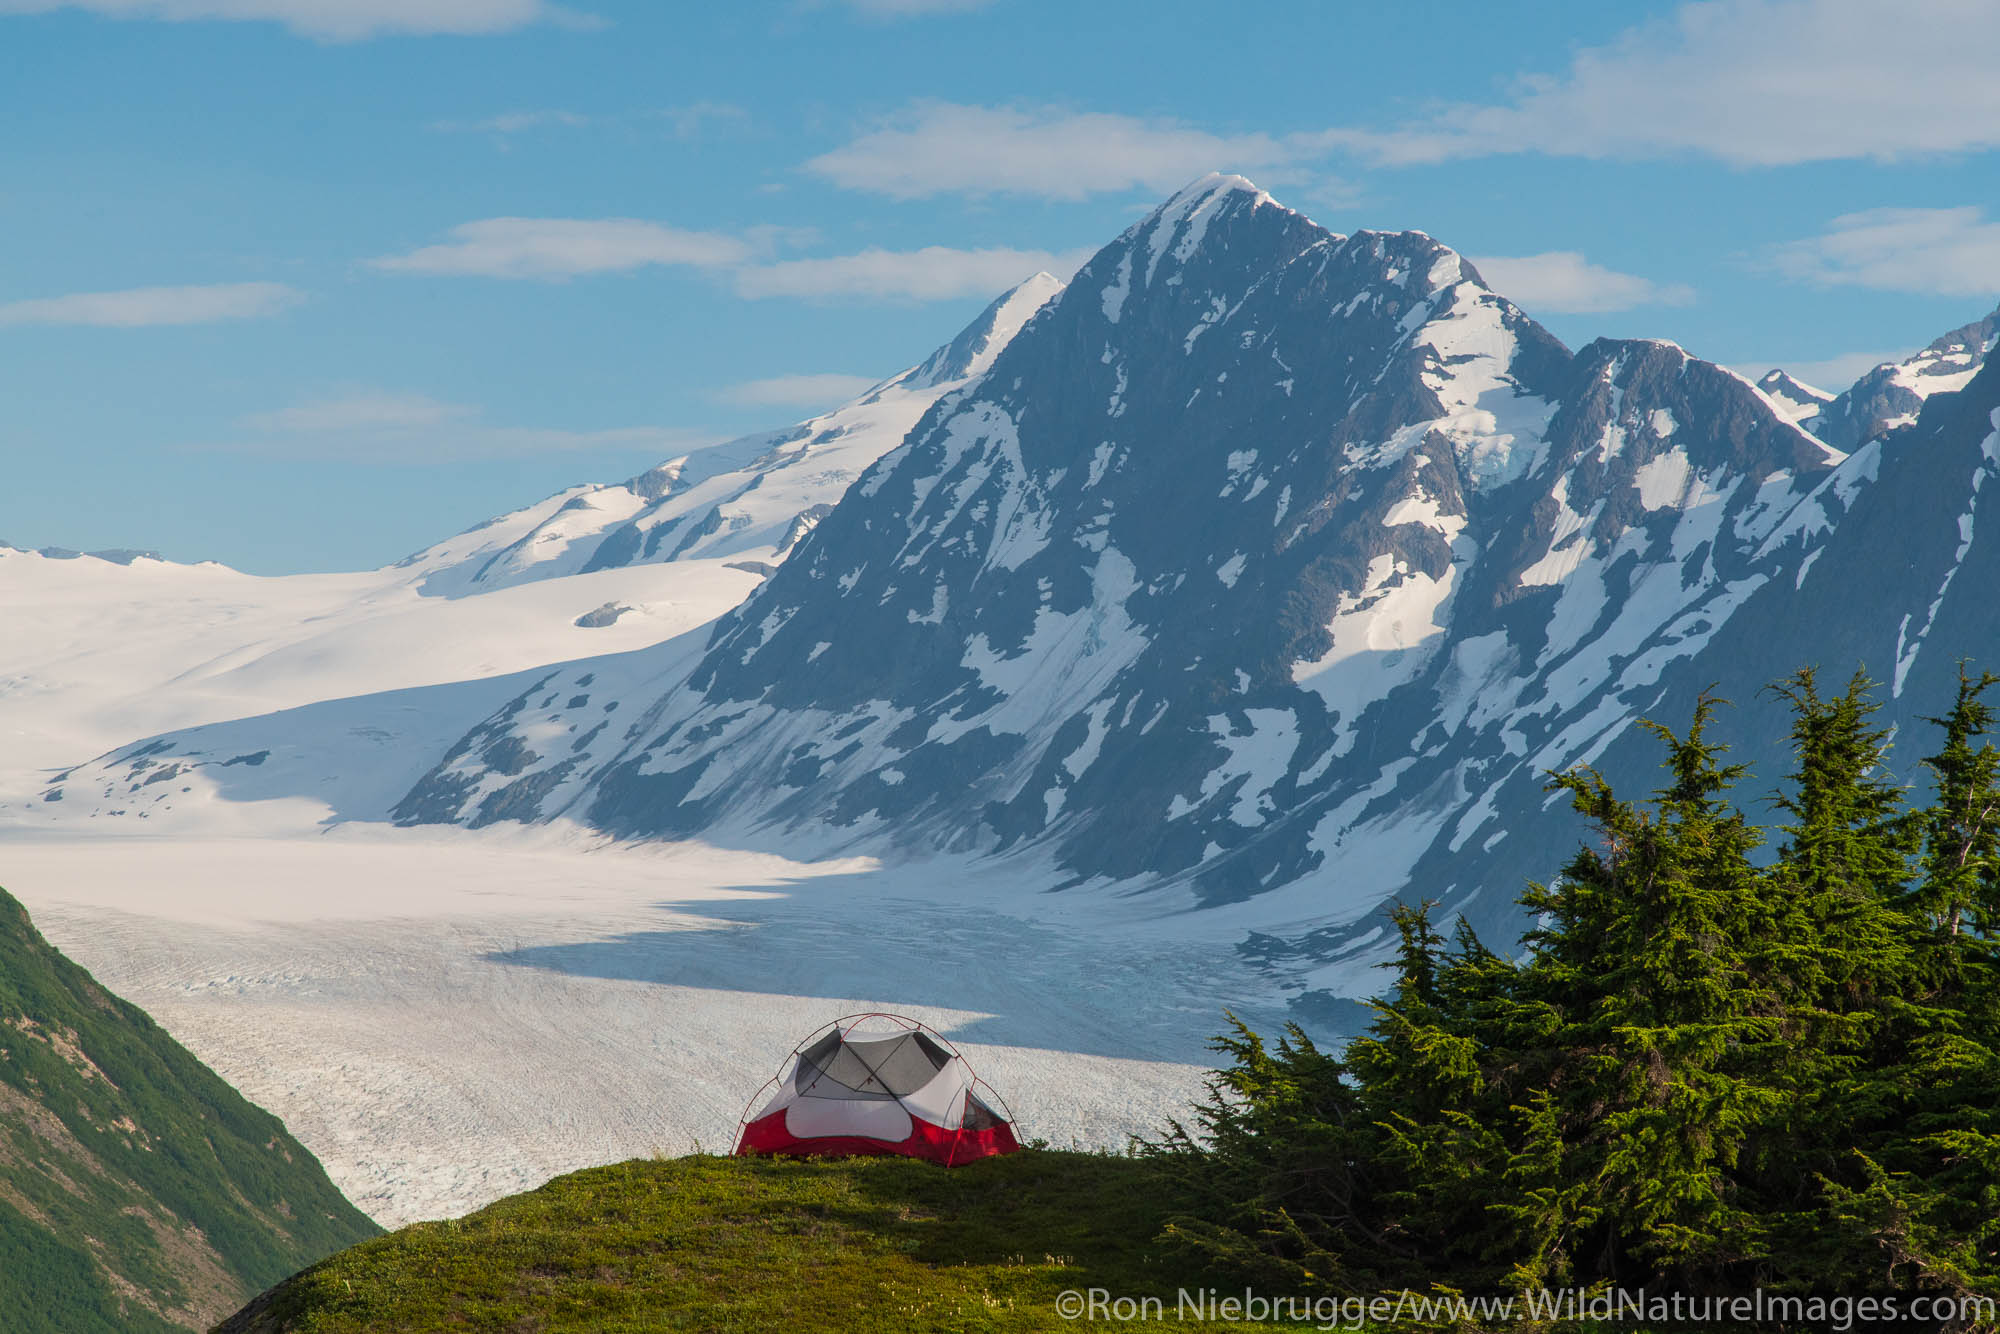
(138, 1191)
(730, 1244)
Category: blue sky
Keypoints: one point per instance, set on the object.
(307, 284)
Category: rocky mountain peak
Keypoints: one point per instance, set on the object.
(973, 350)
(1798, 401)
(1893, 394)
(1003, 632)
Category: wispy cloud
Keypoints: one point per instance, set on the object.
(682, 122)
(1563, 282)
(1751, 82)
(558, 248)
(335, 20)
(687, 122)
(362, 411)
(370, 426)
(933, 273)
(551, 248)
(1748, 82)
(797, 391)
(1937, 251)
(137, 307)
(511, 122)
(941, 147)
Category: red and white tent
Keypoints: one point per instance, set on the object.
(878, 1084)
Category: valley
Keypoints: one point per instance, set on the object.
(529, 851)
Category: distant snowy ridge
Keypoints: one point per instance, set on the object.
(1438, 552)
(1264, 570)
(1890, 396)
(750, 498)
(1800, 403)
(115, 555)
(98, 653)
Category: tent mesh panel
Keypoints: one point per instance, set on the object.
(837, 1067)
(978, 1116)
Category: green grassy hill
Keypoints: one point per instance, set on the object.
(138, 1191)
(760, 1245)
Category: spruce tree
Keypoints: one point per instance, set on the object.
(1960, 892)
(1706, 1074)
(1667, 1029)
(1422, 1066)
(1838, 949)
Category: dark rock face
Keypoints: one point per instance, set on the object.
(1262, 563)
(1904, 586)
(1891, 396)
(599, 617)
(1261, 569)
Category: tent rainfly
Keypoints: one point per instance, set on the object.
(877, 1084)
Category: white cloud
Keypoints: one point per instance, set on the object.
(797, 391)
(940, 147)
(554, 248)
(141, 306)
(367, 426)
(334, 20)
(1563, 282)
(934, 273)
(1751, 82)
(1937, 251)
(565, 247)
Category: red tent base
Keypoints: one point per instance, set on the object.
(950, 1148)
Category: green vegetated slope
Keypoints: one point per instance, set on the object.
(138, 1191)
(765, 1245)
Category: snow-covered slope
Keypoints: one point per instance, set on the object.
(1260, 558)
(749, 500)
(1265, 571)
(97, 653)
(115, 645)
(1891, 395)
(1798, 401)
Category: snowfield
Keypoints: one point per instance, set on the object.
(446, 1018)
(98, 654)
(1364, 675)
